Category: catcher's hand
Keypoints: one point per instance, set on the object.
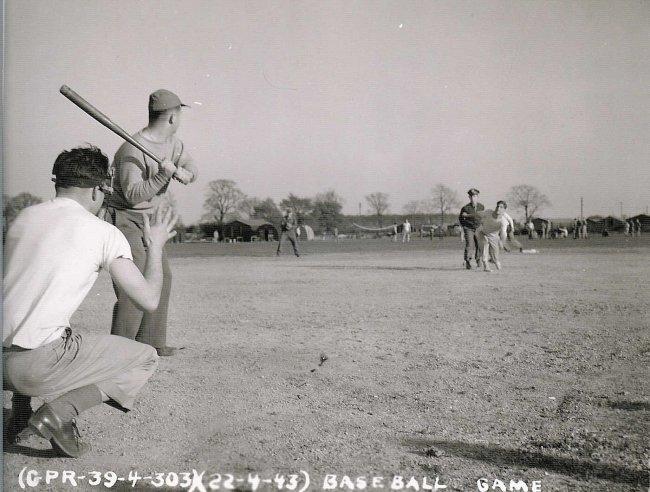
(159, 229)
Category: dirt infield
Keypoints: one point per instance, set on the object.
(536, 372)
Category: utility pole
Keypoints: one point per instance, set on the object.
(621, 204)
(581, 209)
(359, 208)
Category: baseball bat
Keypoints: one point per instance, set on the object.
(105, 120)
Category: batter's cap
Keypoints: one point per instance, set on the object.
(163, 99)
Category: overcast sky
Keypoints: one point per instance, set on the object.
(365, 96)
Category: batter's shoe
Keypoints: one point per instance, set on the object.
(498, 265)
(64, 436)
(468, 265)
(166, 351)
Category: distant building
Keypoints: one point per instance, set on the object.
(249, 230)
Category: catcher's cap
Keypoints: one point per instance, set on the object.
(163, 99)
(473, 191)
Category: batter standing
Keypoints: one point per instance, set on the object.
(140, 183)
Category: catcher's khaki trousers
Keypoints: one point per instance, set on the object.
(117, 366)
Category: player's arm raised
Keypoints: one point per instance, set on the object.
(135, 186)
(144, 290)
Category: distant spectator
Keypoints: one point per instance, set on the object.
(638, 227)
(406, 231)
(530, 227)
(627, 228)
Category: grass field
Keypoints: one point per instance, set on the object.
(535, 372)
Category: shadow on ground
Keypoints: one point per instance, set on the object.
(512, 457)
(370, 267)
(631, 406)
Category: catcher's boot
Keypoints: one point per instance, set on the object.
(64, 436)
(17, 426)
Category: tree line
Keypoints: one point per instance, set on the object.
(444, 201)
(224, 200)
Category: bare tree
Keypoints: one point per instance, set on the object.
(302, 207)
(378, 205)
(13, 205)
(266, 210)
(224, 197)
(412, 207)
(444, 200)
(527, 198)
(327, 209)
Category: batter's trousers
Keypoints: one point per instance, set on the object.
(128, 320)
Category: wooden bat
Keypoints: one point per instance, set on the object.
(105, 120)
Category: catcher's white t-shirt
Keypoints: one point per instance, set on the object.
(53, 254)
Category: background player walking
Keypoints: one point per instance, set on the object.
(470, 220)
(288, 230)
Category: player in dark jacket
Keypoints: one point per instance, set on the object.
(470, 220)
(288, 230)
